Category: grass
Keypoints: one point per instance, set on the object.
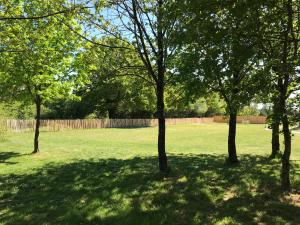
(110, 176)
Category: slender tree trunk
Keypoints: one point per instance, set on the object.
(275, 139)
(275, 129)
(285, 160)
(37, 124)
(160, 86)
(232, 156)
(162, 157)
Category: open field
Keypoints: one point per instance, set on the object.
(110, 176)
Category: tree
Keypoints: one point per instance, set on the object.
(280, 36)
(40, 70)
(218, 54)
(144, 26)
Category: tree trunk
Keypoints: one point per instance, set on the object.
(37, 124)
(160, 86)
(285, 160)
(275, 139)
(275, 129)
(162, 157)
(284, 84)
(232, 156)
(276, 118)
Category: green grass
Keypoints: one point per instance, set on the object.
(110, 176)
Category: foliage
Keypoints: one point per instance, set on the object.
(251, 110)
(111, 89)
(17, 110)
(216, 106)
(217, 51)
(41, 64)
(294, 109)
(179, 105)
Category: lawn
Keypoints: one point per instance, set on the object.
(110, 176)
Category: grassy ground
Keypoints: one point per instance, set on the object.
(109, 176)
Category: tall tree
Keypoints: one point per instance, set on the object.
(146, 22)
(40, 68)
(145, 27)
(280, 38)
(218, 53)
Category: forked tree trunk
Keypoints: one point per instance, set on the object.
(232, 156)
(37, 125)
(162, 157)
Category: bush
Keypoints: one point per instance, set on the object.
(91, 116)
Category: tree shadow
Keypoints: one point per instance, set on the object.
(201, 189)
(4, 156)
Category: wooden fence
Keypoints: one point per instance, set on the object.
(58, 125)
(242, 119)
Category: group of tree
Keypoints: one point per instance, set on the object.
(244, 50)
(158, 55)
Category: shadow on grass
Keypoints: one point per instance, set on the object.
(4, 156)
(201, 189)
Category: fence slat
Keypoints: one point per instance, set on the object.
(242, 119)
(60, 125)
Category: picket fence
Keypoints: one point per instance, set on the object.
(242, 119)
(59, 125)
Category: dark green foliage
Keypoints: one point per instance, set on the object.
(217, 54)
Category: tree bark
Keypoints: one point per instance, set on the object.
(162, 157)
(275, 130)
(160, 86)
(37, 124)
(232, 156)
(275, 139)
(285, 160)
(283, 87)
